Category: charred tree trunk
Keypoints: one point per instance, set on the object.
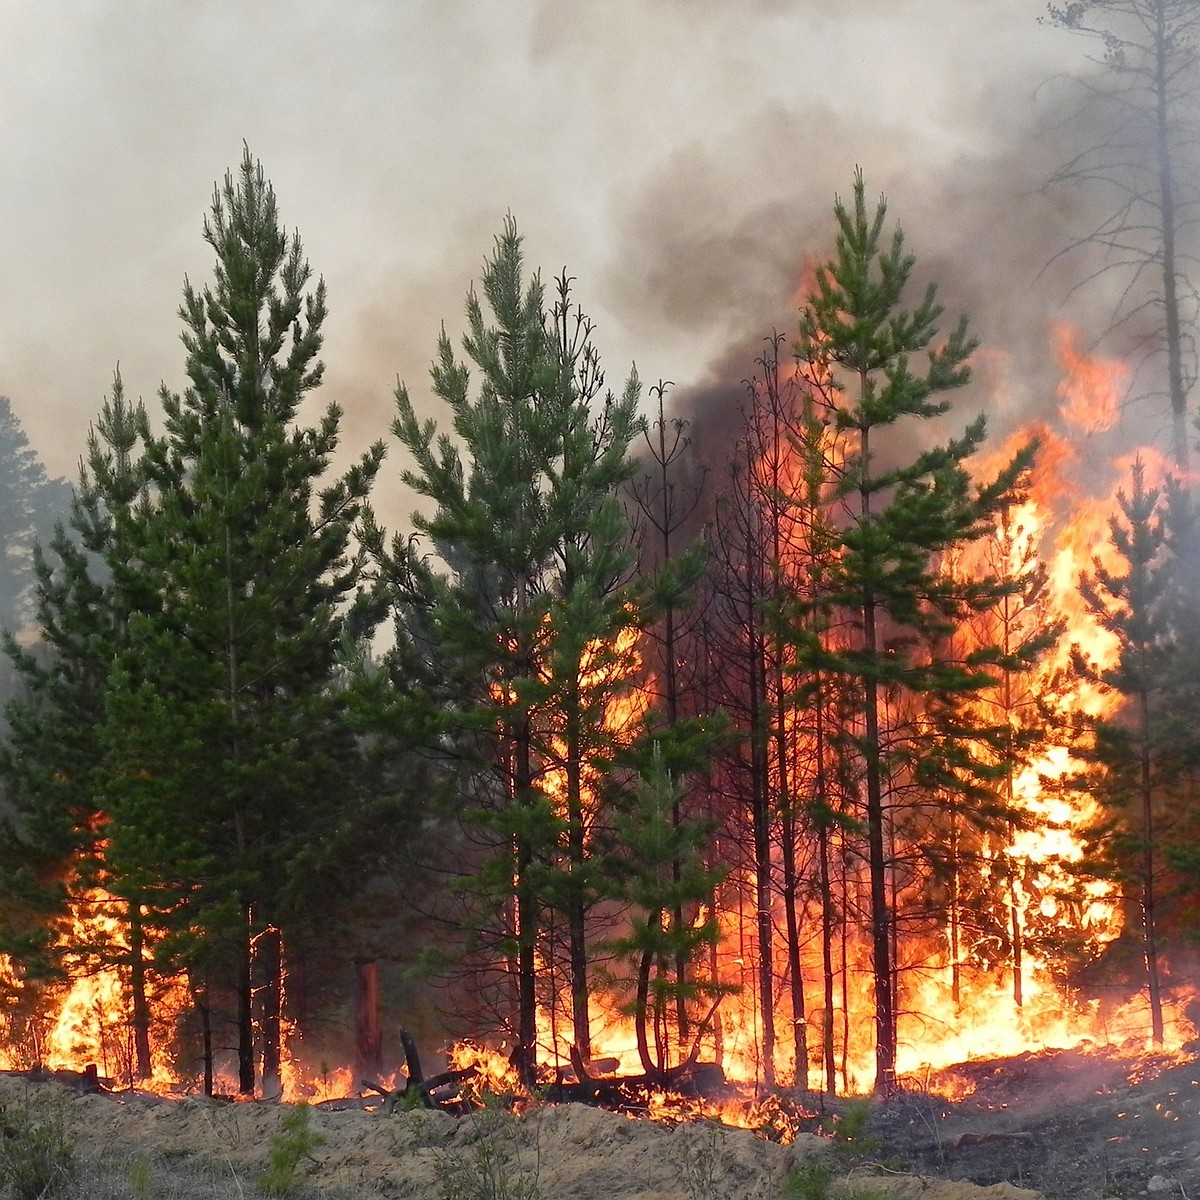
(245, 1008)
(204, 1012)
(1016, 933)
(1177, 383)
(526, 921)
(576, 853)
(760, 801)
(795, 972)
(955, 934)
(143, 1068)
(269, 955)
(827, 1041)
(1153, 979)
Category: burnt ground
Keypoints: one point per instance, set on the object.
(1071, 1124)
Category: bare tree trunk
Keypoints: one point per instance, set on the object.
(827, 1043)
(269, 956)
(760, 801)
(576, 853)
(526, 912)
(143, 1067)
(1166, 194)
(245, 1012)
(204, 1010)
(955, 935)
(368, 1036)
(1148, 890)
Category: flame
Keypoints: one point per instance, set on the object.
(1093, 387)
(957, 997)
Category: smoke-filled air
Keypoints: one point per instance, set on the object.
(650, 546)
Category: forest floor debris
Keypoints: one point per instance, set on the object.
(1067, 1124)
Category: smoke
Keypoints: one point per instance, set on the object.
(724, 233)
(680, 159)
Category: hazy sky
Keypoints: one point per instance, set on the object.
(679, 156)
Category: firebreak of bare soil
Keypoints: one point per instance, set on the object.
(145, 1146)
(1072, 1124)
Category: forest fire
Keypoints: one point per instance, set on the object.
(824, 809)
(982, 985)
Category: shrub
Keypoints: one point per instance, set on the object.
(37, 1154)
(294, 1142)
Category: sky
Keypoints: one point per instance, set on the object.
(678, 157)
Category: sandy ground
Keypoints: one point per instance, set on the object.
(555, 1151)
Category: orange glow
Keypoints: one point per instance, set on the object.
(1093, 387)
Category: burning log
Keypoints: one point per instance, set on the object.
(691, 1079)
(438, 1091)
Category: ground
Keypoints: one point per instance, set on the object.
(1063, 1124)
(1071, 1124)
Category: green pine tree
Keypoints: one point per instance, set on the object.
(1131, 751)
(903, 516)
(30, 504)
(55, 763)
(659, 871)
(532, 618)
(234, 747)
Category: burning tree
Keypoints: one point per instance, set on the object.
(1141, 163)
(1133, 749)
(56, 763)
(535, 621)
(899, 518)
(249, 548)
(223, 565)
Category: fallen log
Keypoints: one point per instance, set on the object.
(419, 1091)
(88, 1081)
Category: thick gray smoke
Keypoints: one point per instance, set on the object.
(679, 158)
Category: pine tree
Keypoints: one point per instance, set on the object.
(1129, 748)
(30, 503)
(858, 334)
(534, 616)
(1178, 712)
(55, 763)
(227, 707)
(659, 871)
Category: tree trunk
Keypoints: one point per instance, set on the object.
(527, 925)
(245, 1011)
(641, 1012)
(204, 1011)
(827, 1044)
(795, 971)
(576, 852)
(368, 1036)
(269, 955)
(1166, 194)
(1153, 979)
(760, 800)
(143, 1068)
(954, 931)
